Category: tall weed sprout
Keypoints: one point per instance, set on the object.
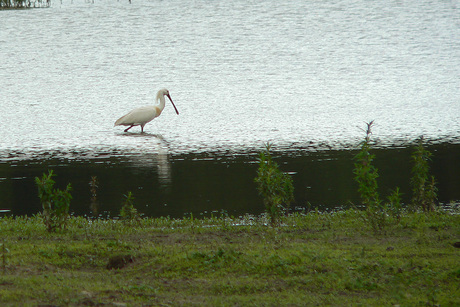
(424, 189)
(366, 175)
(55, 202)
(273, 185)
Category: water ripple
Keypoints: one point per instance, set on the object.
(241, 74)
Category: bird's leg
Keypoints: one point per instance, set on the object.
(126, 130)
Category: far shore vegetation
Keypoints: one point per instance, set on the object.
(379, 252)
(23, 4)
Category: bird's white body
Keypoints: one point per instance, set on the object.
(143, 115)
(139, 116)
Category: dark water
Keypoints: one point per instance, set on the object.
(212, 183)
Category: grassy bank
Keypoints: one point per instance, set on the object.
(312, 259)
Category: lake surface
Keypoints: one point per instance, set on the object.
(304, 75)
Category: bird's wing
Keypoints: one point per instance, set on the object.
(138, 116)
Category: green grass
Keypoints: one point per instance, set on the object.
(312, 259)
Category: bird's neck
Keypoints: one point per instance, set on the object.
(161, 101)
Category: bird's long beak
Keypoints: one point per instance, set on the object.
(173, 104)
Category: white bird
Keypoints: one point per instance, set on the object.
(143, 115)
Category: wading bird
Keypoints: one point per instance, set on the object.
(143, 115)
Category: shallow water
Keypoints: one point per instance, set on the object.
(304, 75)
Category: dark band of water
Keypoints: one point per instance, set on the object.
(200, 183)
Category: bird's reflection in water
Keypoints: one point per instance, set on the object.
(157, 157)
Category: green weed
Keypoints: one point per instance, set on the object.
(366, 175)
(273, 185)
(394, 205)
(55, 202)
(423, 187)
(128, 213)
(378, 214)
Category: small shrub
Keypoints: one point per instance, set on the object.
(273, 185)
(128, 213)
(55, 203)
(423, 187)
(366, 175)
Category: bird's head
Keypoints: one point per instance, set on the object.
(165, 92)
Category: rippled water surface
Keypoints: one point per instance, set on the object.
(298, 73)
(304, 75)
